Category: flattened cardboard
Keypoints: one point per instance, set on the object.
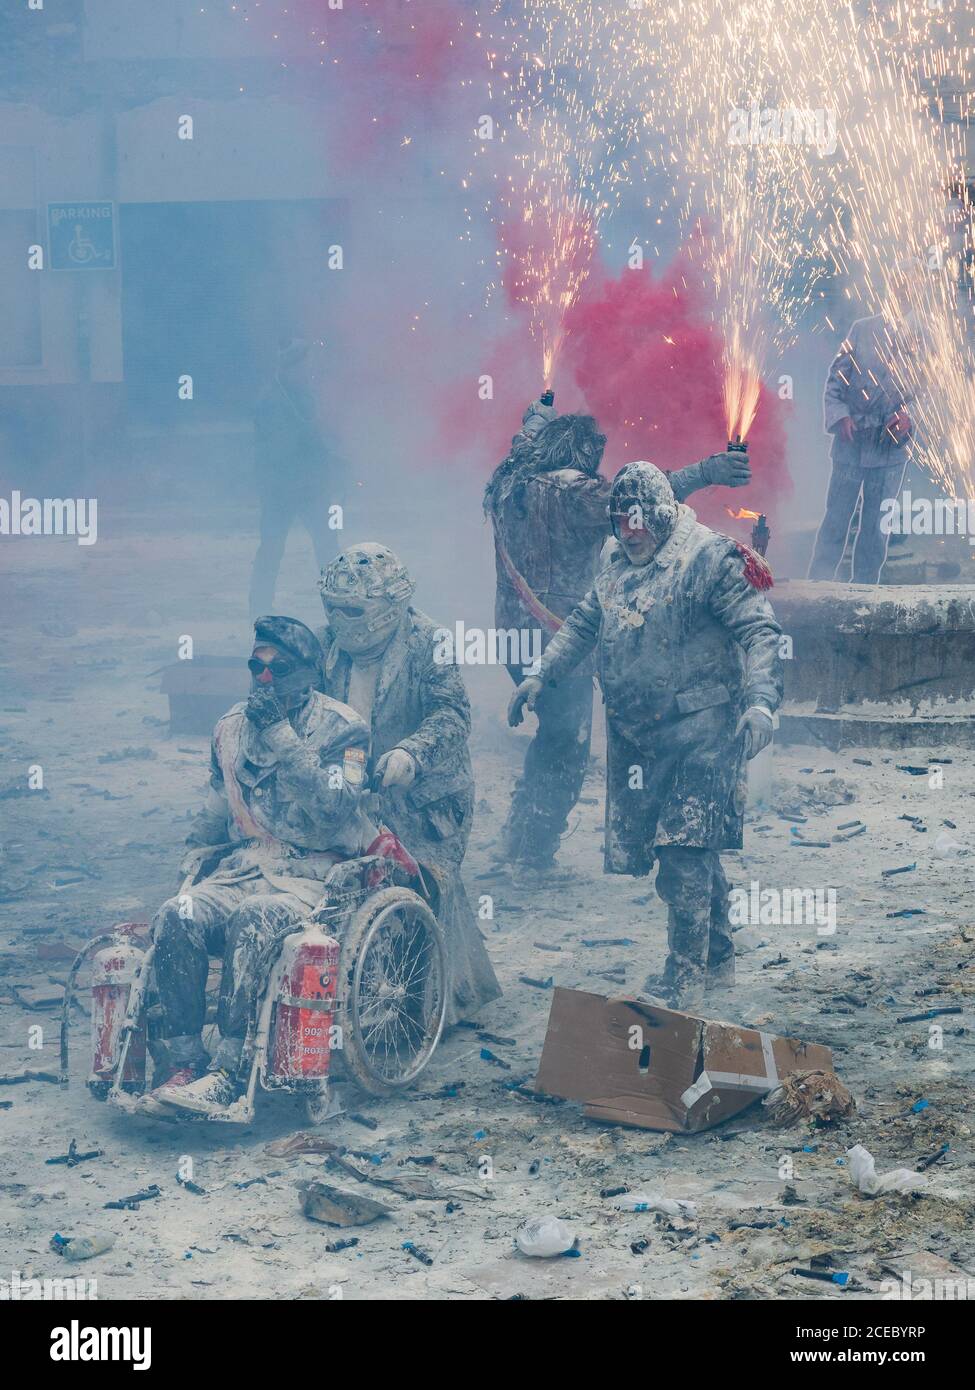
(679, 1073)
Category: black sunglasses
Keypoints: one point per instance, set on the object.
(277, 667)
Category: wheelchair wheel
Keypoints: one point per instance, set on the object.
(393, 979)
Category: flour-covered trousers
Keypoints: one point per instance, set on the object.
(554, 769)
(693, 885)
(237, 921)
(848, 480)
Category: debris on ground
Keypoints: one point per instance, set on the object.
(655, 1201)
(335, 1207)
(611, 1054)
(545, 1237)
(809, 1095)
(77, 1248)
(863, 1171)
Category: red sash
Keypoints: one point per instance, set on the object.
(227, 739)
(532, 602)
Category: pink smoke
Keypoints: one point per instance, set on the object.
(641, 355)
(647, 361)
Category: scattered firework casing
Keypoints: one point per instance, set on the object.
(113, 971)
(304, 1009)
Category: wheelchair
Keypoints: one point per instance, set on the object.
(357, 993)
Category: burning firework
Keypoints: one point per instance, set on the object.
(808, 140)
(901, 223)
(736, 120)
(565, 82)
(798, 143)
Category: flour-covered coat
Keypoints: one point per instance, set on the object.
(292, 805)
(862, 383)
(683, 645)
(421, 705)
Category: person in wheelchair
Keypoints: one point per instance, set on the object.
(381, 655)
(284, 806)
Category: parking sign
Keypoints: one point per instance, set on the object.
(81, 236)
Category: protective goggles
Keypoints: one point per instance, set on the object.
(278, 667)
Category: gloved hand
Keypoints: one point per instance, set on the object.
(728, 469)
(264, 709)
(541, 411)
(397, 768)
(756, 725)
(547, 397)
(524, 696)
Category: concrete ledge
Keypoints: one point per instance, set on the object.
(837, 731)
(909, 650)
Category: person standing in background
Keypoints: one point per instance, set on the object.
(382, 657)
(867, 409)
(298, 477)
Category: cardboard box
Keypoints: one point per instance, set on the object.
(634, 1064)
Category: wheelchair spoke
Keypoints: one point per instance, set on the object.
(400, 992)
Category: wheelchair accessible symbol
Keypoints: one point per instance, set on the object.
(81, 236)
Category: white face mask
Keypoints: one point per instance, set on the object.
(368, 631)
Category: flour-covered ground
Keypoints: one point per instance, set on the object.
(100, 843)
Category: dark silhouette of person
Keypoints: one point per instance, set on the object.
(298, 471)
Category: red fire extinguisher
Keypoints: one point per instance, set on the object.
(307, 976)
(113, 971)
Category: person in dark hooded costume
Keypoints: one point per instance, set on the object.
(287, 772)
(686, 647)
(385, 658)
(548, 506)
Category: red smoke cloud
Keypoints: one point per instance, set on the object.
(640, 352)
(641, 355)
(648, 363)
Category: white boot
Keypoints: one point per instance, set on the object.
(211, 1096)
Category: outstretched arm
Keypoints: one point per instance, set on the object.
(536, 417)
(729, 469)
(743, 609)
(573, 642)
